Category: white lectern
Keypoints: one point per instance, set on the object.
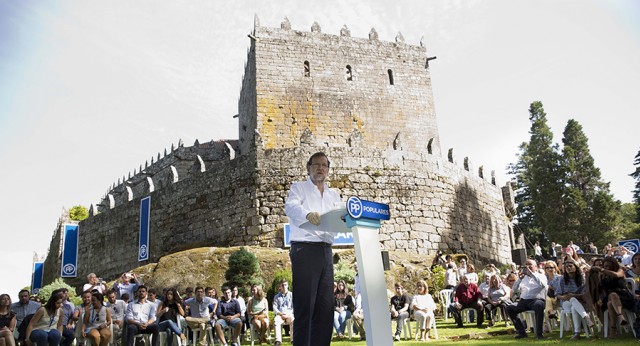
(375, 303)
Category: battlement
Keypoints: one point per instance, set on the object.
(179, 163)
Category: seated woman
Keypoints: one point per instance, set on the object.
(570, 294)
(45, 327)
(423, 306)
(258, 310)
(7, 321)
(343, 307)
(553, 280)
(499, 297)
(97, 319)
(613, 293)
(168, 311)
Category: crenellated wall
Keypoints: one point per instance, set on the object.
(366, 103)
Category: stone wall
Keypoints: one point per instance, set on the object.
(435, 204)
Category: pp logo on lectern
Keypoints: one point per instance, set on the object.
(354, 207)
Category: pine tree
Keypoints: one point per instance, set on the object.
(244, 270)
(539, 182)
(590, 209)
(636, 192)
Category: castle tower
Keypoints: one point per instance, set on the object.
(333, 87)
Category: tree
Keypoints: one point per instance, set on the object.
(590, 210)
(539, 180)
(78, 213)
(244, 270)
(636, 192)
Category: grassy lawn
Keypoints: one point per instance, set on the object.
(497, 335)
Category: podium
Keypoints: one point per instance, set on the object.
(362, 218)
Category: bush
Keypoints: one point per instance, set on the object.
(343, 272)
(45, 292)
(277, 277)
(244, 271)
(436, 280)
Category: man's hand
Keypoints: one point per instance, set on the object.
(314, 218)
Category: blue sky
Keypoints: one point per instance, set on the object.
(89, 90)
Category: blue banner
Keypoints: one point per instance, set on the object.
(632, 245)
(70, 251)
(339, 239)
(143, 244)
(37, 277)
(360, 208)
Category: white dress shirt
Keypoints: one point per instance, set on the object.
(304, 198)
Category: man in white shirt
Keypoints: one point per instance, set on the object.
(311, 255)
(94, 284)
(141, 318)
(533, 291)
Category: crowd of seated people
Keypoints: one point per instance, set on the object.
(565, 284)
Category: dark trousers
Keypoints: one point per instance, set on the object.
(475, 305)
(537, 305)
(312, 269)
(152, 329)
(68, 335)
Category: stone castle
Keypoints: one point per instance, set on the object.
(367, 103)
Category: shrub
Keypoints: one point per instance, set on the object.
(45, 292)
(277, 277)
(243, 271)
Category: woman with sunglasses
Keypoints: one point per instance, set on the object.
(553, 279)
(570, 293)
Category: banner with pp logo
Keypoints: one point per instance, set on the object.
(69, 266)
(143, 243)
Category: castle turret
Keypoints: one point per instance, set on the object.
(333, 85)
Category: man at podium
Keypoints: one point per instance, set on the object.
(311, 255)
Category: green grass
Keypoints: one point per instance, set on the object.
(497, 335)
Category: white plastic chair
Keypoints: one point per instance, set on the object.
(566, 315)
(434, 329)
(445, 301)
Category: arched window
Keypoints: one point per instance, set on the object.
(390, 76)
(349, 74)
(307, 69)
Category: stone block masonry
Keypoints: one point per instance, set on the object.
(366, 103)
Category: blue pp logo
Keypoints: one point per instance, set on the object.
(354, 207)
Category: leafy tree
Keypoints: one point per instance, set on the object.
(78, 213)
(244, 271)
(539, 180)
(636, 192)
(590, 210)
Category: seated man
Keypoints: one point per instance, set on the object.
(282, 310)
(399, 309)
(358, 317)
(228, 315)
(198, 314)
(94, 284)
(141, 318)
(467, 295)
(117, 308)
(68, 328)
(533, 290)
(22, 308)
